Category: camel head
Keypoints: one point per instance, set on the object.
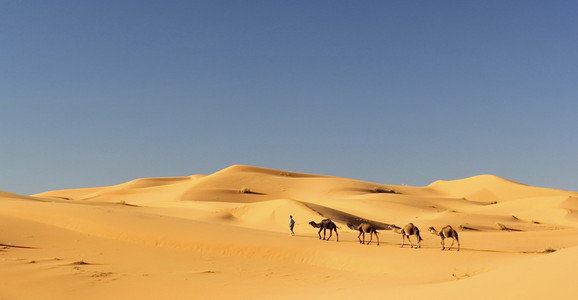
(312, 223)
(433, 230)
(394, 228)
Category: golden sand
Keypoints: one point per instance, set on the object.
(226, 236)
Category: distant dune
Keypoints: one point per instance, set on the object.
(216, 235)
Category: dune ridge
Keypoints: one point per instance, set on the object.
(213, 235)
(485, 187)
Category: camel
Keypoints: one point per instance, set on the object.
(364, 228)
(324, 225)
(447, 232)
(407, 231)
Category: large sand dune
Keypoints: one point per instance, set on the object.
(225, 236)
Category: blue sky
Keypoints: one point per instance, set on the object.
(396, 92)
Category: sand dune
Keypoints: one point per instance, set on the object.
(486, 187)
(225, 235)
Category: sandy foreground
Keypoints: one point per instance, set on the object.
(226, 236)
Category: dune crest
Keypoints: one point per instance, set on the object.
(491, 187)
(9, 195)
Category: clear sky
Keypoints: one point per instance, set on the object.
(96, 93)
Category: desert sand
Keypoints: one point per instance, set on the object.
(226, 236)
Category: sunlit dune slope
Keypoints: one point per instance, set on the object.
(480, 201)
(490, 188)
(17, 196)
(237, 183)
(544, 277)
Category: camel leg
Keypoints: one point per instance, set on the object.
(458, 244)
(377, 237)
(402, 240)
(443, 245)
(330, 234)
(319, 233)
(324, 231)
(409, 240)
(337, 234)
(370, 237)
(358, 237)
(450, 248)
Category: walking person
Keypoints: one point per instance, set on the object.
(291, 224)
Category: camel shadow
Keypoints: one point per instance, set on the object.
(503, 251)
(462, 249)
(341, 241)
(16, 246)
(343, 217)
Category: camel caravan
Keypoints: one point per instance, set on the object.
(406, 232)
